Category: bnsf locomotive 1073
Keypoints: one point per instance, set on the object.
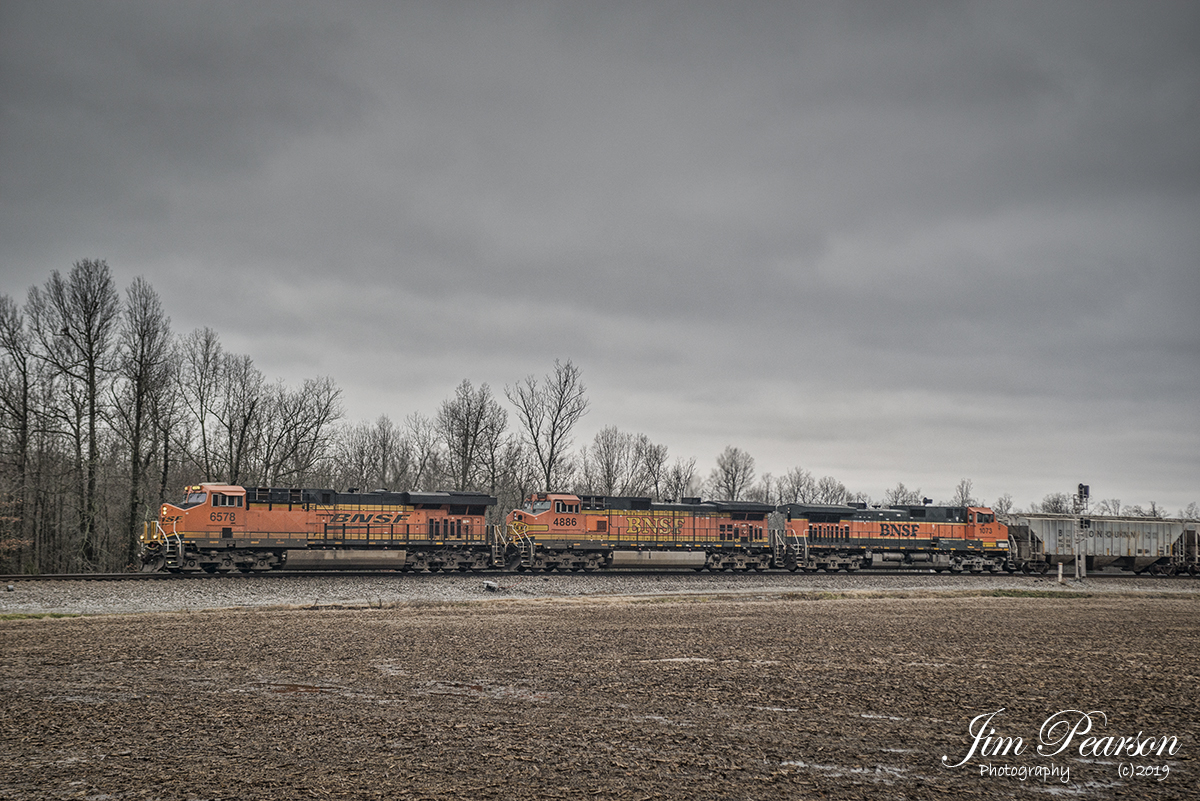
(222, 528)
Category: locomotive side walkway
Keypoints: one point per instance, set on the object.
(667, 696)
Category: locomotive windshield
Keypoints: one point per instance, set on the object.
(537, 507)
(194, 499)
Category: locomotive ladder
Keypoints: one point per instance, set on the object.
(173, 550)
(787, 546)
(499, 544)
(517, 535)
(525, 546)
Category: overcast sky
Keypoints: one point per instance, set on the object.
(884, 241)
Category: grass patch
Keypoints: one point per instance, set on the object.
(826, 595)
(37, 615)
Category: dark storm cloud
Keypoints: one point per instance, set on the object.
(892, 241)
(111, 110)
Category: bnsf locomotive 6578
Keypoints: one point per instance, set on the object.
(220, 528)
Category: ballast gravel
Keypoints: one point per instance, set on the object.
(390, 589)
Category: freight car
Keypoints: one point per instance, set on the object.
(223, 527)
(1155, 546)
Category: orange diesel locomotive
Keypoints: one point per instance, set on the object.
(224, 527)
(583, 532)
(954, 538)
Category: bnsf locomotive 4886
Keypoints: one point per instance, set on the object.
(220, 528)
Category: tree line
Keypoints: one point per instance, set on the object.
(105, 412)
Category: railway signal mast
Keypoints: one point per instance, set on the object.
(1082, 525)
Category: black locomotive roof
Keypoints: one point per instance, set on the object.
(328, 497)
(694, 505)
(820, 513)
(833, 513)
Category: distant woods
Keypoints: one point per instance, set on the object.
(105, 412)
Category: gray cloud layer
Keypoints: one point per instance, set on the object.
(893, 242)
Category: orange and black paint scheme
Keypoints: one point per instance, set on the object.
(582, 532)
(954, 538)
(224, 527)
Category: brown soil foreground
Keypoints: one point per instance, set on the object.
(622, 698)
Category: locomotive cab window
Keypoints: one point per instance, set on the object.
(220, 499)
(194, 499)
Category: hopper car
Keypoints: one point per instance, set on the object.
(1156, 546)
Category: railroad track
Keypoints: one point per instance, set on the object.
(18, 577)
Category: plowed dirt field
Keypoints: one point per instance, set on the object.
(612, 698)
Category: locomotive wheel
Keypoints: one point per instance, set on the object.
(1026, 568)
(1044, 568)
(1193, 571)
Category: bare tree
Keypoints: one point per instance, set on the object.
(901, 495)
(295, 431)
(765, 491)
(622, 464)
(1137, 510)
(170, 422)
(548, 411)
(1109, 506)
(1003, 504)
(356, 456)
(387, 459)
(733, 474)
(797, 486)
(17, 377)
(199, 377)
(680, 480)
(471, 425)
(1057, 503)
(830, 490)
(962, 494)
(238, 413)
(427, 457)
(75, 320)
(515, 474)
(610, 466)
(145, 342)
(653, 459)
